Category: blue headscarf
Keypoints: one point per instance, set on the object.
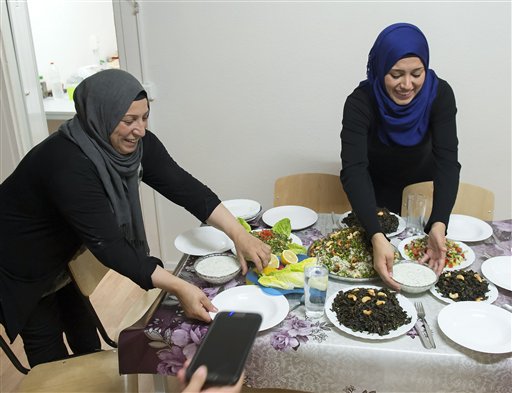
(404, 125)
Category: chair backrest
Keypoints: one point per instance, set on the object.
(12, 357)
(321, 192)
(471, 200)
(87, 272)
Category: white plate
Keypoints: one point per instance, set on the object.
(467, 228)
(404, 303)
(492, 294)
(300, 217)
(295, 239)
(479, 326)
(399, 229)
(202, 241)
(499, 271)
(251, 298)
(243, 208)
(470, 254)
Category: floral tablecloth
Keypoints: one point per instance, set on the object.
(315, 356)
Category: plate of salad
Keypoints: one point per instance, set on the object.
(347, 254)
(458, 255)
(279, 237)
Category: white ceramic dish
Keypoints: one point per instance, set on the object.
(202, 241)
(404, 303)
(498, 270)
(469, 253)
(413, 277)
(243, 208)
(295, 239)
(300, 217)
(251, 298)
(492, 295)
(217, 268)
(478, 326)
(399, 230)
(467, 228)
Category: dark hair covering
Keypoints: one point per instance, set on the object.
(404, 125)
(101, 101)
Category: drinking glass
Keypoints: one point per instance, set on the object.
(416, 209)
(316, 278)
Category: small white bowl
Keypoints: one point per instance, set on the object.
(217, 268)
(414, 277)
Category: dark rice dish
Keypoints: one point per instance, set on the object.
(369, 310)
(462, 285)
(387, 221)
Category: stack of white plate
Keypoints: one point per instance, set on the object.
(243, 208)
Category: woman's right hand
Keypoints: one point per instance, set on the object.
(383, 258)
(199, 377)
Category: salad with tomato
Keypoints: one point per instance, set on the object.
(416, 249)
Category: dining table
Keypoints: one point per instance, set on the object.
(313, 355)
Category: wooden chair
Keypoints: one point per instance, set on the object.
(471, 200)
(321, 192)
(96, 372)
(87, 272)
(12, 357)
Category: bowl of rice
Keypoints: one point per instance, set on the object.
(217, 268)
(414, 277)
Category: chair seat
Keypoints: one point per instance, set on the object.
(95, 372)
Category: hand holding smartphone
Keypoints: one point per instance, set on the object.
(225, 348)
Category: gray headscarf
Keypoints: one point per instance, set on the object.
(101, 101)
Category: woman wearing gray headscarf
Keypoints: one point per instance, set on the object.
(79, 187)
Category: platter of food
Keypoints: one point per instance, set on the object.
(464, 285)
(392, 224)
(467, 228)
(347, 254)
(478, 326)
(370, 312)
(458, 255)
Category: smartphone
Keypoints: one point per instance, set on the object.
(226, 346)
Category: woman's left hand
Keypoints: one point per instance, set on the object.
(436, 248)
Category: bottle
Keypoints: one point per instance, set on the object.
(44, 89)
(54, 81)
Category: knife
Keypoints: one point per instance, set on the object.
(429, 333)
(421, 333)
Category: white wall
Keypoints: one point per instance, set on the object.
(250, 91)
(62, 31)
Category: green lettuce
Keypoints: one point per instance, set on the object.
(244, 224)
(283, 226)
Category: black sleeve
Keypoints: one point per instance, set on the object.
(164, 175)
(77, 192)
(445, 151)
(357, 119)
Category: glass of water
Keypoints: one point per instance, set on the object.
(316, 278)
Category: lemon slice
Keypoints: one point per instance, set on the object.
(274, 261)
(288, 257)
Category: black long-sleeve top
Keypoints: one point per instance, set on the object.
(374, 174)
(54, 202)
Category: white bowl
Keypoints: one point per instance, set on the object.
(414, 277)
(217, 268)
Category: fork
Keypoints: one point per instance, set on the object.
(421, 315)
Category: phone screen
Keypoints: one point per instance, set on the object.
(225, 347)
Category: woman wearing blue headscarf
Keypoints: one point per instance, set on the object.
(399, 128)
